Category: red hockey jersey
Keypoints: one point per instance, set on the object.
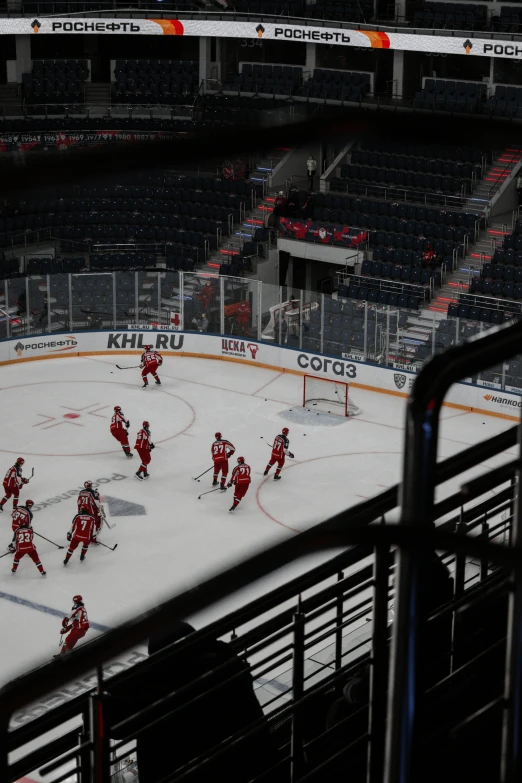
(79, 618)
(222, 449)
(151, 357)
(21, 514)
(88, 498)
(241, 474)
(13, 477)
(118, 421)
(83, 527)
(280, 447)
(143, 441)
(24, 540)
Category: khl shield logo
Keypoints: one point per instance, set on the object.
(400, 380)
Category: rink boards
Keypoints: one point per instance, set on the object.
(464, 396)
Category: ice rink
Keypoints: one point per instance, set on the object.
(56, 415)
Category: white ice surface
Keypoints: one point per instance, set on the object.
(180, 540)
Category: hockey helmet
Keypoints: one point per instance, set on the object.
(77, 599)
(285, 430)
(146, 425)
(117, 408)
(218, 436)
(20, 461)
(29, 503)
(240, 460)
(87, 484)
(148, 347)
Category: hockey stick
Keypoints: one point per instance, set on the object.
(49, 540)
(134, 367)
(112, 548)
(196, 478)
(208, 493)
(102, 510)
(7, 553)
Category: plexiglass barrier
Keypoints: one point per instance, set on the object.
(237, 307)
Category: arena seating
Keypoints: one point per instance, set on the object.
(46, 265)
(502, 276)
(457, 96)
(55, 81)
(184, 210)
(460, 16)
(407, 179)
(412, 162)
(483, 308)
(442, 152)
(337, 85)
(506, 102)
(164, 82)
(509, 20)
(344, 324)
(394, 293)
(349, 11)
(271, 79)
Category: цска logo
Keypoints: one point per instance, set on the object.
(239, 348)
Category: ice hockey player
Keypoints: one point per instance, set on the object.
(241, 479)
(89, 498)
(144, 446)
(82, 532)
(279, 451)
(221, 451)
(19, 515)
(13, 482)
(119, 430)
(76, 625)
(25, 546)
(150, 361)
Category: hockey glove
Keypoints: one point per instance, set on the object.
(127, 423)
(229, 485)
(290, 455)
(152, 446)
(25, 481)
(69, 536)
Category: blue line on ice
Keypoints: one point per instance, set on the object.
(15, 599)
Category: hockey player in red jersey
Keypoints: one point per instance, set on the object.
(13, 482)
(119, 430)
(279, 451)
(144, 446)
(19, 515)
(240, 478)
(221, 451)
(82, 532)
(89, 498)
(25, 546)
(76, 625)
(150, 361)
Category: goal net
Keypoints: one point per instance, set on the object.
(326, 396)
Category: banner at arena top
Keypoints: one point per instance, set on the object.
(21, 142)
(438, 44)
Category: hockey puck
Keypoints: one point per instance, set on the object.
(199, 480)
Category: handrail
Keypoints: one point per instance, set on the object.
(418, 492)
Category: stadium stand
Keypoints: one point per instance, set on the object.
(337, 85)
(271, 79)
(55, 81)
(164, 82)
(461, 16)
(451, 95)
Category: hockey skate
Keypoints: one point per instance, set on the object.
(215, 483)
(139, 476)
(223, 488)
(82, 557)
(129, 454)
(232, 508)
(146, 476)
(66, 561)
(158, 382)
(277, 478)
(145, 385)
(265, 473)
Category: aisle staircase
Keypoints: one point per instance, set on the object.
(254, 218)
